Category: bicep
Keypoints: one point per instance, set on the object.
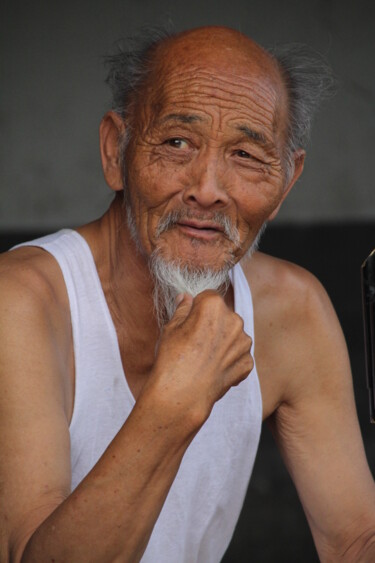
(318, 433)
(34, 434)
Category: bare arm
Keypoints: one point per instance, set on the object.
(316, 425)
(111, 514)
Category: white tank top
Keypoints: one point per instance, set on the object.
(202, 507)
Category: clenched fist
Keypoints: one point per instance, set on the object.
(203, 351)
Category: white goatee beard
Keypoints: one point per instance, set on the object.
(171, 278)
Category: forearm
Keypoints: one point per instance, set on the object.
(111, 514)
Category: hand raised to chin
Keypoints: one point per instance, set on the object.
(203, 351)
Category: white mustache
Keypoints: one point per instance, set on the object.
(230, 230)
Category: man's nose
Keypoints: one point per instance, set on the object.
(207, 185)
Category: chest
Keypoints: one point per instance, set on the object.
(137, 359)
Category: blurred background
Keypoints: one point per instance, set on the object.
(52, 98)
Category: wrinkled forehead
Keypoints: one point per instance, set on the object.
(214, 46)
(218, 66)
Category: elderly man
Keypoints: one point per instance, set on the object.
(132, 385)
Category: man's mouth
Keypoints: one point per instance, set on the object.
(206, 230)
(210, 228)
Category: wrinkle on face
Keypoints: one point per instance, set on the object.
(210, 98)
(216, 101)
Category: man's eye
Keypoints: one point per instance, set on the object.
(243, 154)
(177, 143)
(248, 156)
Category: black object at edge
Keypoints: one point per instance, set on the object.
(368, 300)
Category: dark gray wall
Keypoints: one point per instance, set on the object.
(53, 96)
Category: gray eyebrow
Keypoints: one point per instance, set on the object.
(182, 117)
(253, 135)
(192, 118)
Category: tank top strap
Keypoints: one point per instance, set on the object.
(102, 398)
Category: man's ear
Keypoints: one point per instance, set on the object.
(299, 161)
(112, 128)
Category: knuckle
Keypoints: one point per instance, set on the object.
(243, 374)
(209, 299)
(249, 341)
(214, 298)
(250, 362)
(244, 343)
(243, 368)
(239, 323)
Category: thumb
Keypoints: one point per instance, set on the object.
(184, 303)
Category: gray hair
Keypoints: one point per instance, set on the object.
(128, 68)
(130, 65)
(307, 77)
(308, 80)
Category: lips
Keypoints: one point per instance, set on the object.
(203, 230)
(201, 225)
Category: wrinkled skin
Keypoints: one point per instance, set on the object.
(206, 141)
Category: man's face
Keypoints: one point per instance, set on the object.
(203, 167)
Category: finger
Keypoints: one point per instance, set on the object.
(179, 299)
(237, 354)
(240, 371)
(184, 302)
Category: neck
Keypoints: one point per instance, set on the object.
(123, 272)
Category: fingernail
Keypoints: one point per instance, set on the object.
(179, 298)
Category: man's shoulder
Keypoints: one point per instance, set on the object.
(282, 286)
(35, 326)
(287, 298)
(31, 280)
(294, 319)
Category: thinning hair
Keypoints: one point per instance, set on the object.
(307, 78)
(130, 65)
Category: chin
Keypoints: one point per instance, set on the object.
(199, 259)
(198, 255)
